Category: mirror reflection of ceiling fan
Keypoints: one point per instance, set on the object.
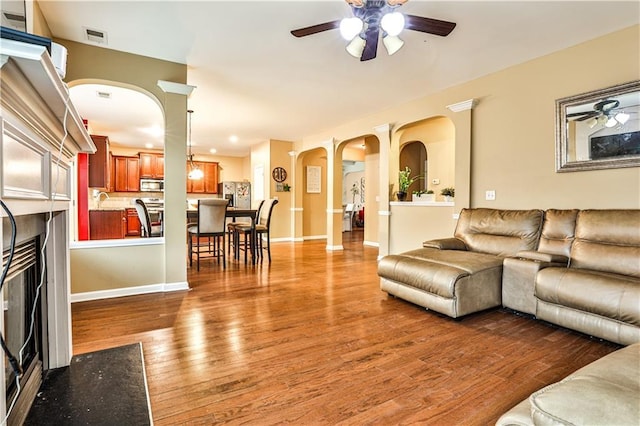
(605, 112)
(370, 18)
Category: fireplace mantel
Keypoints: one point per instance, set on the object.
(41, 133)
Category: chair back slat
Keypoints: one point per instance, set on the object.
(264, 217)
(211, 215)
(145, 218)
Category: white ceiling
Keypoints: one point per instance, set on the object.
(255, 80)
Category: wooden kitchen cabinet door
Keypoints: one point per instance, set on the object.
(133, 223)
(100, 164)
(151, 166)
(126, 172)
(107, 224)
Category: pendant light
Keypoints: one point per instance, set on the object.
(194, 171)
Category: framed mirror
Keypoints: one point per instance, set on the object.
(599, 129)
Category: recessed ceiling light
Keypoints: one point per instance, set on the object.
(213, 150)
(148, 145)
(154, 130)
(233, 139)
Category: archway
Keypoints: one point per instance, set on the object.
(130, 125)
(312, 167)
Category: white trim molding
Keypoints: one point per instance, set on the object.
(129, 291)
(297, 209)
(335, 211)
(314, 237)
(335, 248)
(463, 106)
(176, 88)
(384, 213)
(371, 244)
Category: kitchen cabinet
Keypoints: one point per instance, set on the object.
(151, 165)
(100, 164)
(126, 174)
(107, 224)
(133, 223)
(209, 183)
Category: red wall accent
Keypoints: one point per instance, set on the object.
(83, 197)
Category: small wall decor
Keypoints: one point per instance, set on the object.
(279, 174)
(314, 179)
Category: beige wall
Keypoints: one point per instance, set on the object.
(315, 205)
(438, 136)
(281, 216)
(409, 233)
(371, 190)
(93, 64)
(512, 129)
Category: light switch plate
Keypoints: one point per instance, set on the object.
(490, 195)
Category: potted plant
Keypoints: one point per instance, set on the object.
(405, 180)
(448, 193)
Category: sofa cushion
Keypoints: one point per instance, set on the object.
(499, 232)
(435, 271)
(608, 295)
(605, 392)
(558, 231)
(607, 241)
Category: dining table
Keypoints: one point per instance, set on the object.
(234, 213)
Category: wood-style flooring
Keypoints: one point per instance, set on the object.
(311, 339)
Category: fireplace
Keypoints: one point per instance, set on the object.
(41, 134)
(24, 302)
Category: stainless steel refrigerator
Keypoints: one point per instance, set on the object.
(239, 193)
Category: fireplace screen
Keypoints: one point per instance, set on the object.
(21, 310)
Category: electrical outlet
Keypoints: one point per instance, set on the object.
(435, 181)
(490, 195)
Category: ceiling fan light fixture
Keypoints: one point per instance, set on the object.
(351, 27)
(392, 23)
(622, 117)
(611, 122)
(592, 122)
(356, 47)
(392, 44)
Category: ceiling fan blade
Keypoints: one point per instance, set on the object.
(371, 45)
(580, 116)
(429, 25)
(314, 29)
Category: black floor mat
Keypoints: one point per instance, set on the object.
(107, 387)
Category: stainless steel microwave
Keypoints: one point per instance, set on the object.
(151, 185)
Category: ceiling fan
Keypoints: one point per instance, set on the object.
(370, 17)
(604, 112)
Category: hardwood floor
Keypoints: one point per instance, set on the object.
(311, 339)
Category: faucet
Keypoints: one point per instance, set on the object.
(99, 195)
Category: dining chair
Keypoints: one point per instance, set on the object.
(148, 229)
(262, 229)
(231, 232)
(211, 227)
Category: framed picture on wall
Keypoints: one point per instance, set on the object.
(314, 179)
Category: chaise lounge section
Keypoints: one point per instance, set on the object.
(461, 275)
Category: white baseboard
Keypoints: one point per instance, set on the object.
(128, 291)
(371, 244)
(335, 248)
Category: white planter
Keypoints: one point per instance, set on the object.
(448, 198)
(425, 197)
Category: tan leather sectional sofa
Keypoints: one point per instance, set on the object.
(579, 269)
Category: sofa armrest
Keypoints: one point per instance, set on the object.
(445, 244)
(540, 256)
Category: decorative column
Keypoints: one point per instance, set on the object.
(383, 133)
(334, 199)
(462, 123)
(175, 180)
